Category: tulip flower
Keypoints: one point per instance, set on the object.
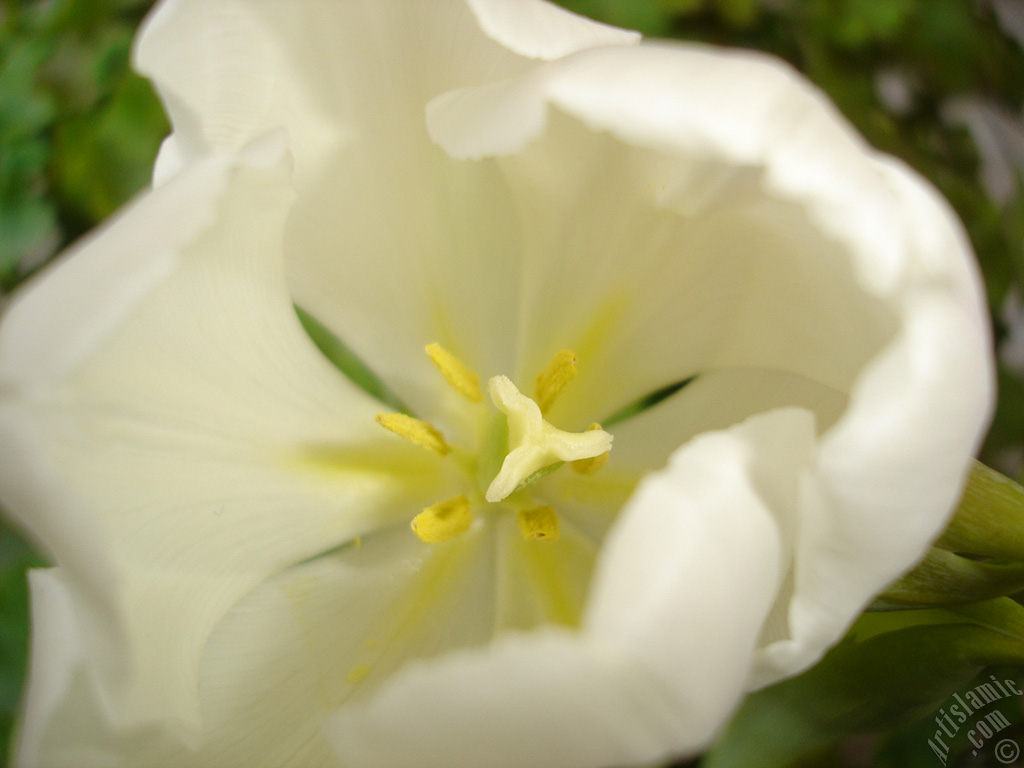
(678, 374)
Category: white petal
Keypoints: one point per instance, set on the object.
(56, 638)
(550, 698)
(297, 646)
(541, 582)
(721, 494)
(95, 293)
(542, 30)
(171, 435)
(762, 235)
(677, 604)
(769, 238)
(716, 400)
(348, 82)
(230, 70)
(891, 470)
(64, 719)
(432, 242)
(225, 82)
(756, 222)
(662, 92)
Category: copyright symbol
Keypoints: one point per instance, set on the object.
(1007, 751)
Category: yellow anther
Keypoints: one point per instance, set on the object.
(359, 673)
(455, 372)
(414, 430)
(443, 520)
(552, 380)
(539, 524)
(594, 464)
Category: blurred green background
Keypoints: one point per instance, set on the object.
(940, 83)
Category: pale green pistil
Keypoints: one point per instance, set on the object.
(521, 448)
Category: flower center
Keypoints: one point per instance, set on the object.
(523, 447)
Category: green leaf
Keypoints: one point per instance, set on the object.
(738, 13)
(24, 110)
(916, 746)
(1008, 420)
(15, 558)
(646, 17)
(105, 156)
(862, 22)
(890, 670)
(28, 234)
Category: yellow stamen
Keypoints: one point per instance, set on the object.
(552, 380)
(416, 431)
(357, 542)
(456, 372)
(359, 673)
(539, 524)
(594, 464)
(443, 520)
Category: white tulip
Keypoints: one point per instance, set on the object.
(236, 584)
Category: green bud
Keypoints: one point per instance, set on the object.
(979, 557)
(990, 519)
(944, 578)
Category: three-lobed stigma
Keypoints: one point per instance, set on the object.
(533, 443)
